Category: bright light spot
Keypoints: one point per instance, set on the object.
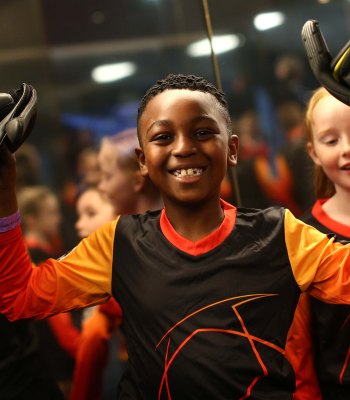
(113, 72)
(221, 44)
(269, 20)
(324, 1)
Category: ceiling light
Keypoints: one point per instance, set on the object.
(221, 44)
(113, 72)
(269, 20)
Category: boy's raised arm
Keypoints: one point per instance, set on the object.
(79, 279)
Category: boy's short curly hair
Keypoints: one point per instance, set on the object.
(189, 82)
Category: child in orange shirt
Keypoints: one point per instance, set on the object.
(319, 340)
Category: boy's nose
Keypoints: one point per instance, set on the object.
(184, 146)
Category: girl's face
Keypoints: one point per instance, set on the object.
(117, 183)
(330, 147)
(186, 146)
(48, 219)
(93, 211)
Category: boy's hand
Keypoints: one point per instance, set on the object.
(18, 110)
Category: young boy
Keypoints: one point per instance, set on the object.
(207, 291)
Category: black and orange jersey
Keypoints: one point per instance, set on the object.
(202, 320)
(330, 323)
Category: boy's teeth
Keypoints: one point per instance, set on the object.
(188, 172)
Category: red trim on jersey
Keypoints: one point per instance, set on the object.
(209, 242)
(335, 226)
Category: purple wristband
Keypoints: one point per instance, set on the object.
(10, 222)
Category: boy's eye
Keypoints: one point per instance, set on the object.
(203, 133)
(162, 137)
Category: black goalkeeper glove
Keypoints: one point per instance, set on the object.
(332, 73)
(18, 110)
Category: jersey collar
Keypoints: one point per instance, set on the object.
(335, 226)
(205, 244)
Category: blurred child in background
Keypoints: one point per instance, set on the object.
(93, 210)
(121, 180)
(58, 335)
(319, 339)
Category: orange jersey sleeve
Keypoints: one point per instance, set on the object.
(320, 265)
(79, 279)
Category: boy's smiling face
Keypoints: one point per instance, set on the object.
(186, 146)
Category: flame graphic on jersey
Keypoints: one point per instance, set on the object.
(164, 384)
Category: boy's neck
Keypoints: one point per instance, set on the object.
(197, 221)
(148, 203)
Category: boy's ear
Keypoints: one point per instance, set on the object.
(232, 151)
(312, 153)
(142, 161)
(138, 181)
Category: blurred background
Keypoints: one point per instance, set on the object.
(92, 60)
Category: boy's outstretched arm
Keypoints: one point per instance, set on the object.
(80, 278)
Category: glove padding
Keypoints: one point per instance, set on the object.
(18, 110)
(332, 73)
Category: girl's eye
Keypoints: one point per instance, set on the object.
(331, 141)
